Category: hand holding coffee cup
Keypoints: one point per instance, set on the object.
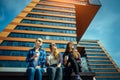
(36, 54)
(66, 57)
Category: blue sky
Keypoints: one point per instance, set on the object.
(104, 27)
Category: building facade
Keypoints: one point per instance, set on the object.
(58, 21)
(98, 60)
(52, 20)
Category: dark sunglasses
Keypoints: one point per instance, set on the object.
(39, 40)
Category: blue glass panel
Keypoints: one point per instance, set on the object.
(50, 17)
(107, 78)
(104, 70)
(45, 29)
(95, 2)
(48, 37)
(109, 74)
(95, 51)
(87, 45)
(98, 62)
(97, 58)
(53, 12)
(101, 66)
(13, 53)
(13, 64)
(54, 7)
(48, 23)
(29, 44)
(100, 54)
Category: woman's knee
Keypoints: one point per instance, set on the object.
(51, 70)
(39, 70)
(31, 69)
(59, 69)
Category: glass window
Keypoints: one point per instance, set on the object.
(53, 12)
(27, 44)
(101, 66)
(99, 62)
(48, 23)
(13, 63)
(45, 29)
(87, 44)
(13, 53)
(50, 37)
(100, 54)
(50, 17)
(104, 70)
(94, 58)
(108, 74)
(54, 7)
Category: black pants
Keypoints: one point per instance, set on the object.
(73, 67)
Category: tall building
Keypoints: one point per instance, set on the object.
(58, 21)
(98, 60)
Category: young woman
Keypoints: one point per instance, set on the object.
(70, 58)
(54, 62)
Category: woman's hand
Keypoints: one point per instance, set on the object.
(59, 65)
(69, 64)
(37, 67)
(34, 56)
(65, 60)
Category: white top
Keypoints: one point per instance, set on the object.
(36, 59)
(52, 60)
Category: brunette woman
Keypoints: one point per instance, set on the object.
(70, 58)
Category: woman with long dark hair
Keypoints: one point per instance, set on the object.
(70, 58)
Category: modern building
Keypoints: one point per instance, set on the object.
(98, 60)
(58, 21)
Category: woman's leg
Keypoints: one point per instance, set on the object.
(58, 74)
(74, 65)
(38, 75)
(51, 71)
(67, 72)
(31, 73)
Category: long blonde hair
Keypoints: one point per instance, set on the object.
(56, 52)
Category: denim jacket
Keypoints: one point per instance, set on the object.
(42, 58)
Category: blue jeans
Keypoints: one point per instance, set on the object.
(55, 73)
(32, 72)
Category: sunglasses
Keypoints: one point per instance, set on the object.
(39, 40)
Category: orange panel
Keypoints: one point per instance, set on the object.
(19, 58)
(55, 10)
(84, 15)
(52, 4)
(45, 26)
(33, 40)
(24, 48)
(38, 32)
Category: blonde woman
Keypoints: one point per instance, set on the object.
(54, 61)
